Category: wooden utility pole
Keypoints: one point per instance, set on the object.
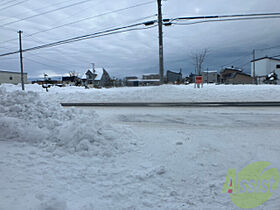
(21, 60)
(161, 65)
(254, 67)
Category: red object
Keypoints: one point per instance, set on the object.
(198, 79)
(230, 190)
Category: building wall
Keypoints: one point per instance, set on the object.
(151, 76)
(265, 67)
(173, 76)
(240, 79)
(105, 80)
(210, 77)
(272, 66)
(11, 77)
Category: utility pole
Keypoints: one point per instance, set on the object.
(161, 65)
(254, 67)
(207, 75)
(21, 60)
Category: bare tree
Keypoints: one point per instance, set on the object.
(198, 59)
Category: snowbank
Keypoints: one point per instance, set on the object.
(28, 117)
(165, 93)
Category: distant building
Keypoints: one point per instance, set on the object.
(90, 77)
(10, 77)
(71, 80)
(99, 77)
(173, 77)
(132, 81)
(264, 66)
(231, 75)
(151, 76)
(210, 76)
(147, 80)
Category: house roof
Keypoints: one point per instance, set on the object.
(210, 71)
(143, 80)
(99, 72)
(6, 71)
(150, 74)
(232, 68)
(88, 72)
(236, 73)
(174, 72)
(266, 57)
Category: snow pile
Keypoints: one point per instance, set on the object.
(164, 93)
(28, 117)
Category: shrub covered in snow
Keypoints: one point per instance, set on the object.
(28, 117)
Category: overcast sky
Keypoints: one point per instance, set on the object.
(135, 52)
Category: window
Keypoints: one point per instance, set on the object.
(11, 78)
(278, 66)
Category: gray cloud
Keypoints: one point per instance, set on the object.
(136, 52)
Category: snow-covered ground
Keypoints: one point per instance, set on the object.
(166, 93)
(131, 158)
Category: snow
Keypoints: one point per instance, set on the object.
(99, 72)
(166, 93)
(130, 158)
(26, 117)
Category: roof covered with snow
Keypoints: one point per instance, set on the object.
(12, 72)
(266, 57)
(99, 72)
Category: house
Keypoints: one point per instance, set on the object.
(151, 79)
(210, 77)
(173, 77)
(11, 77)
(71, 80)
(262, 67)
(99, 77)
(151, 76)
(232, 75)
(103, 78)
(131, 81)
(147, 80)
(89, 77)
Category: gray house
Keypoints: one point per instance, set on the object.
(99, 77)
(12, 77)
(173, 77)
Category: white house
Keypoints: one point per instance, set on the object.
(210, 76)
(265, 66)
(12, 77)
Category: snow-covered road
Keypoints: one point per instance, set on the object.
(180, 161)
(130, 158)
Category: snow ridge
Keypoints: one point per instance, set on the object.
(27, 117)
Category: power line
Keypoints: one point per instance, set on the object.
(220, 16)
(226, 20)
(40, 63)
(87, 36)
(240, 58)
(7, 2)
(8, 29)
(88, 18)
(269, 48)
(47, 12)
(12, 5)
(39, 9)
(92, 17)
(276, 56)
